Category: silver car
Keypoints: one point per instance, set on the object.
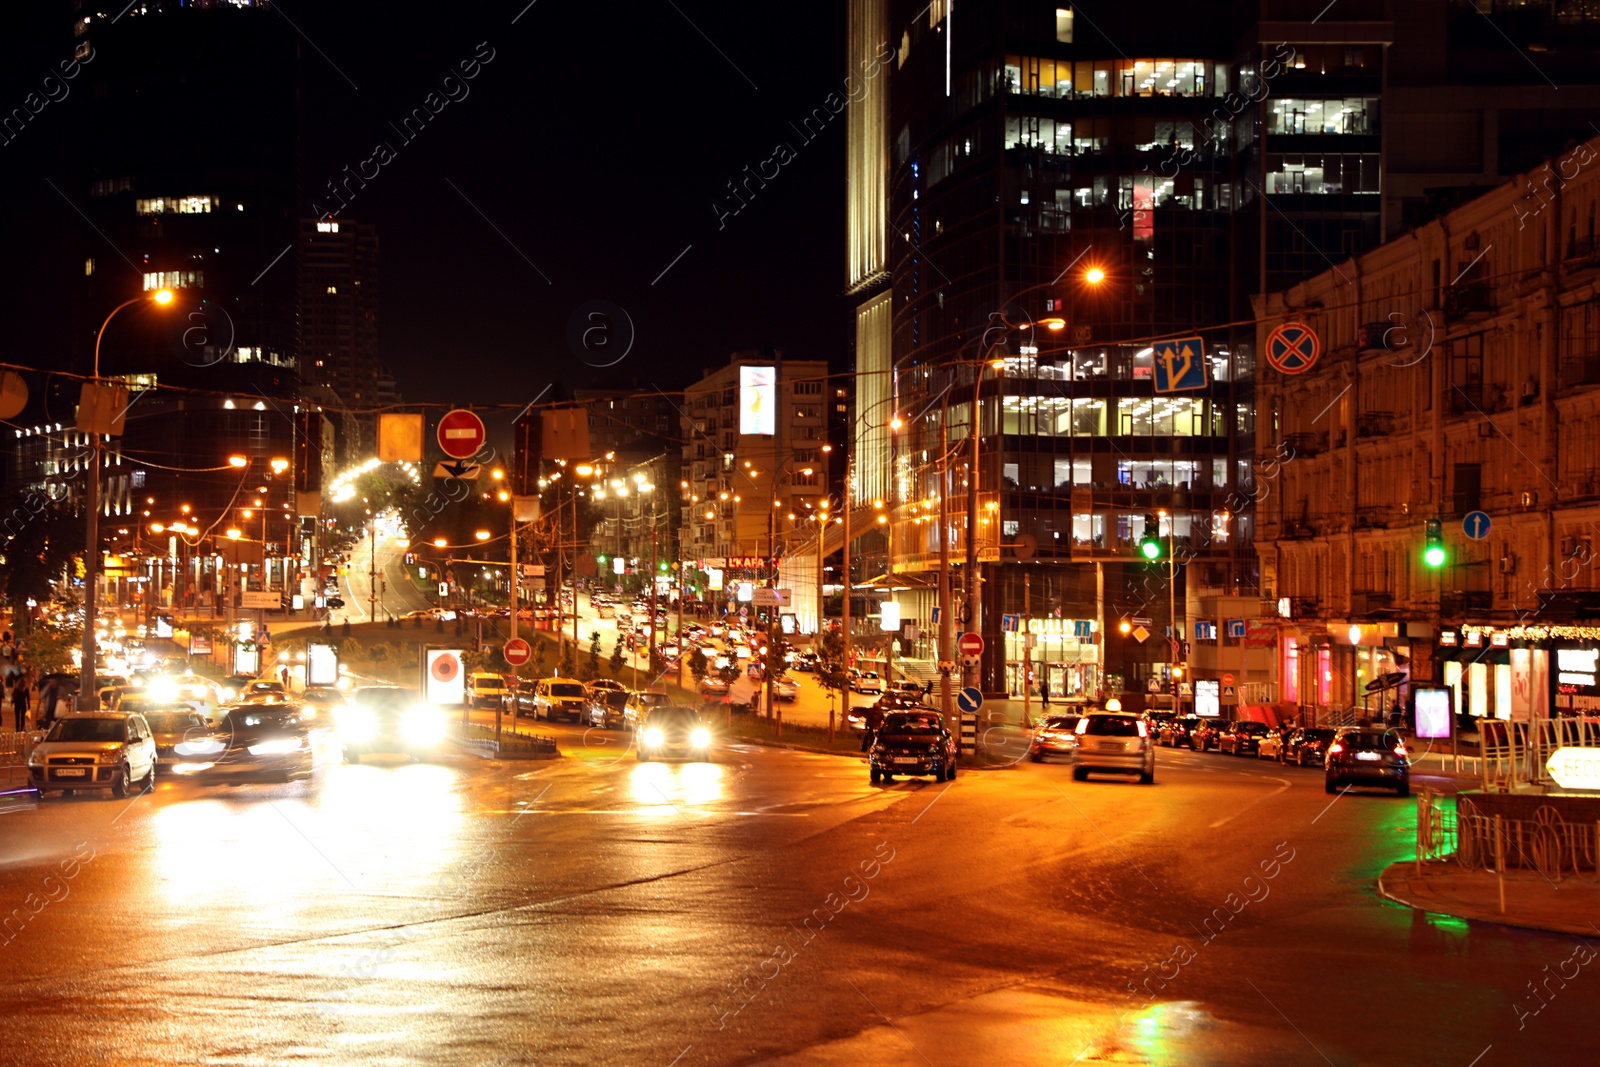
(102, 750)
(1117, 743)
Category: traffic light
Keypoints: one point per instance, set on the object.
(1433, 553)
(1150, 548)
(600, 560)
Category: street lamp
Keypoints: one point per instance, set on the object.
(88, 699)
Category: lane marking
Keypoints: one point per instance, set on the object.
(1253, 803)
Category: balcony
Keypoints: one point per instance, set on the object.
(1465, 301)
(1298, 530)
(1371, 601)
(1461, 603)
(1307, 444)
(1375, 424)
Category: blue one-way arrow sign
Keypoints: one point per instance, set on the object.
(1476, 524)
(1180, 365)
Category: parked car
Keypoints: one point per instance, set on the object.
(562, 697)
(1175, 732)
(485, 690)
(260, 691)
(913, 743)
(99, 750)
(1054, 735)
(898, 701)
(1115, 742)
(608, 708)
(1240, 738)
(907, 686)
(672, 730)
(174, 725)
(389, 720)
(1367, 757)
(1270, 746)
(1308, 746)
(638, 706)
(867, 682)
(786, 689)
(1203, 735)
(712, 688)
(250, 743)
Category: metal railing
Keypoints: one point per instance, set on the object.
(1547, 844)
(479, 736)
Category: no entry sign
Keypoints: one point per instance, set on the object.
(461, 434)
(517, 652)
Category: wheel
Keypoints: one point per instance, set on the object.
(150, 779)
(1147, 779)
(950, 775)
(939, 775)
(1330, 786)
(877, 776)
(1300, 758)
(887, 777)
(1080, 774)
(119, 787)
(1403, 789)
(1037, 757)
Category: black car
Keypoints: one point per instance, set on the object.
(250, 743)
(389, 720)
(1203, 735)
(1367, 757)
(673, 731)
(519, 701)
(1176, 731)
(1308, 745)
(1241, 738)
(607, 708)
(915, 743)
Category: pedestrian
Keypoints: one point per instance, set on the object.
(49, 694)
(19, 702)
(1044, 693)
(874, 724)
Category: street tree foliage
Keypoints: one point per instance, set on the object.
(591, 663)
(831, 670)
(38, 540)
(618, 661)
(698, 665)
(567, 665)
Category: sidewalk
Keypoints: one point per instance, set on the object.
(1571, 906)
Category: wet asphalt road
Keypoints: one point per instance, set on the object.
(769, 906)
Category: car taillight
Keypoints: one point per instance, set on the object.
(1400, 750)
(1335, 749)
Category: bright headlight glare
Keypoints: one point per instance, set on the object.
(653, 736)
(700, 738)
(208, 746)
(358, 724)
(423, 725)
(276, 748)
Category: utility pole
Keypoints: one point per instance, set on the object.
(651, 662)
(1027, 651)
(372, 565)
(973, 676)
(849, 462)
(947, 624)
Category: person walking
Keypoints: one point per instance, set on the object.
(49, 695)
(874, 724)
(19, 702)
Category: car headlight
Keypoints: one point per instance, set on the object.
(653, 736)
(700, 737)
(423, 725)
(228, 694)
(114, 756)
(205, 746)
(358, 724)
(280, 747)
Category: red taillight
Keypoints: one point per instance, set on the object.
(1400, 750)
(1335, 749)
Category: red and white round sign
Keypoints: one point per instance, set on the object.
(517, 652)
(461, 434)
(971, 644)
(445, 668)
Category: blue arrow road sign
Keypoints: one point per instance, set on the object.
(1476, 524)
(1236, 628)
(969, 699)
(1180, 365)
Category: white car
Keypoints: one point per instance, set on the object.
(101, 750)
(786, 689)
(867, 682)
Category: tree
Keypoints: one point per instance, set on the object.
(831, 666)
(618, 661)
(698, 665)
(567, 664)
(37, 543)
(539, 658)
(591, 665)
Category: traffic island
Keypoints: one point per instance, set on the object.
(480, 740)
(1531, 901)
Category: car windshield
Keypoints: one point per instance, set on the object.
(266, 687)
(673, 716)
(904, 723)
(87, 730)
(173, 722)
(650, 700)
(1369, 740)
(1315, 734)
(566, 689)
(614, 698)
(321, 696)
(1252, 727)
(1061, 722)
(258, 718)
(1110, 726)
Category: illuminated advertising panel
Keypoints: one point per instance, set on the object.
(1433, 712)
(758, 401)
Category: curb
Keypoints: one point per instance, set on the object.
(1508, 919)
(792, 747)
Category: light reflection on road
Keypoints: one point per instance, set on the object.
(667, 789)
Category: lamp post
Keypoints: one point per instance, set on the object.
(88, 699)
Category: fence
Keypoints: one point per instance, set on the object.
(1547, 843)
(526, 745)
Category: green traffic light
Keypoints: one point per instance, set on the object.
(1151, 549)
(1434, 556)
(600, 559)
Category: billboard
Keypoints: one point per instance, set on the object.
(444, 682)
(758, 401)
(1433, 712)
(322, 664)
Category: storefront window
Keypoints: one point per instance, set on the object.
(1291, 670)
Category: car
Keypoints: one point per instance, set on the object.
(559, 696)
(485, 689)
(600, 684)
(389, 720)
(1240, 738)
(608, 708)
(895, 700)
(1155, 720)
(639, 705)
(233, 686)
(519, 701)
(262, 691)
(867, 682)
(320, 702)
(912, 743)
(785, 689)
(672, 730)
(1308, 746)
(710, 687)
(257, 742)
(1054, 735)
(1176, 731)
(188, 688)
(1117, 743)
(173, 725)
(1270, 746)
(1203, 735)
(95, 750)
(1367, 757)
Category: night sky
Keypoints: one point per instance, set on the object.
(593, 145)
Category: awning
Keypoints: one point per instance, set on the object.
(1471, 655)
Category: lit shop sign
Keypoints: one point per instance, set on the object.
(1447, 639)
(1576, 669)
(1064, 627)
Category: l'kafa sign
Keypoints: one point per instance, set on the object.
(734, 562)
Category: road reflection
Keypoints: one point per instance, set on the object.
(664, 789)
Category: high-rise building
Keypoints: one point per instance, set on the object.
(1076, 205)
(339, 324)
